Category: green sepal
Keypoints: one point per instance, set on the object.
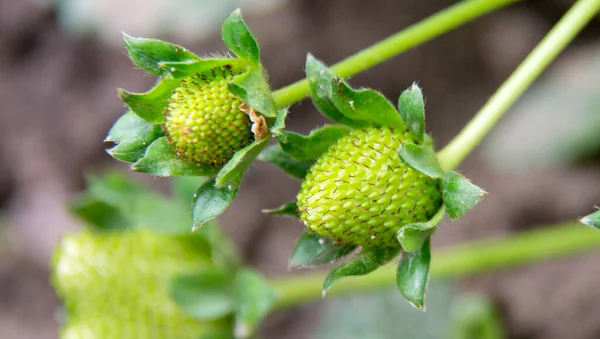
(289, 209)
(279, 121)
(148, 54)
(275, 155)
(239, 39)
(345, 105)
(151, 105)
(205, 295)
(313, 250)
(592, 220)
(132, 135)
(174, 70)
(368, 260)
(366, 105)
(412, 236)
(114, 201)
(310, 147)
(412, 110)
(241, 160)
(211, 201)
(322, 84)
(253, 89)
(254, 299)
(161, 160)
(459, 194)
(412, 275)
(224, 252)
(421, 158)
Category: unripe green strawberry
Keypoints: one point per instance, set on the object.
(204, 120)
(360, 192)
(114, 285)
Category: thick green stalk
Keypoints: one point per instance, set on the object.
(458, 261)
(431, 27)
(535, 63)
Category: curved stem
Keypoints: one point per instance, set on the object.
(412, 36)
(458, 261)
(529, 70)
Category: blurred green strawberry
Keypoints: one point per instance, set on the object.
(114, 284)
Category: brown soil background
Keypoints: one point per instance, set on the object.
(58, 99)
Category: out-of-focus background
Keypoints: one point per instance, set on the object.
(60, 65)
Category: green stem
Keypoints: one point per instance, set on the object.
(412, 36)
(458, 261)
(535, 63)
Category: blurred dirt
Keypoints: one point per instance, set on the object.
(58, 101)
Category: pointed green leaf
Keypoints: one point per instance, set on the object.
(310, 147)
(253, 89)
(241, 160)
(187, 68)
(412, 110)
(459, 194)
(147, 54)
(313, 250)
(289, 165)
(413, 275)
(592, 220)
(132, 135)
(161, 160)
(413, 236)
(223, 252)
(151, 105)
(322, 84)
(368, 260)
(254, 299)
(239, 39)
(366, 105)
(422, 158)
(289, 209)
(211, 201)
(204, 295)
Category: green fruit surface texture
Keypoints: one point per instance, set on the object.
(204, 120)
(360, 192)
(114, 285)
